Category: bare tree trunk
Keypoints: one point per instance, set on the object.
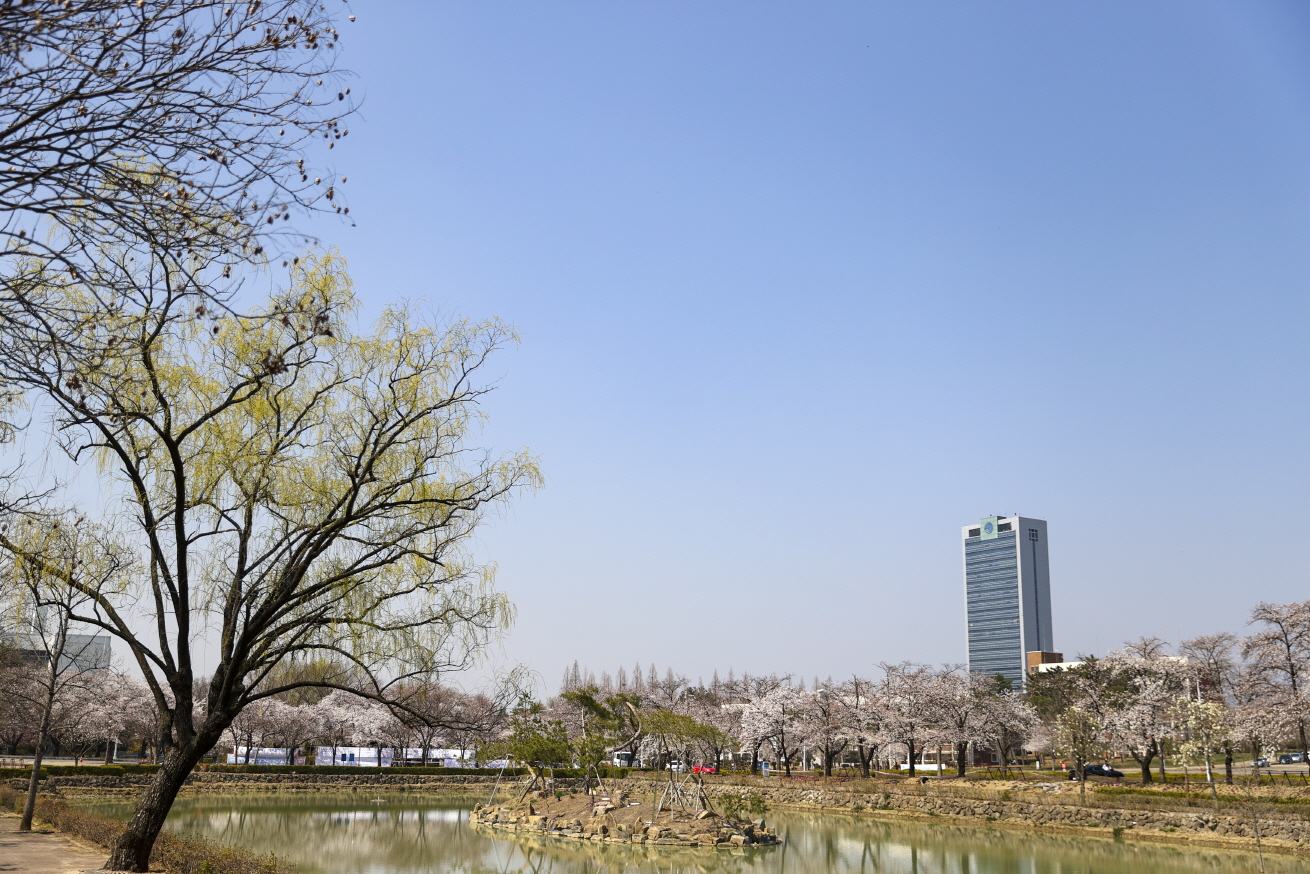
(131, 852)
(29, 808)
(1228, 763)
(910, 746)
(961, 751)
(56, 655)
(1209, 776)
(1146, 769)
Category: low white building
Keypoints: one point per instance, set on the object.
(367, 757)
(263, 756)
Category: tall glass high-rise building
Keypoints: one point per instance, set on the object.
(1007, 594)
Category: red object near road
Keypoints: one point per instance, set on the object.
(704, 769)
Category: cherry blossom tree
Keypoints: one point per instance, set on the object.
(708, 707)
(1080, 736)
(772, 718)
(109, 708)
(963, 710)
(1130, 696)
(860, 719)
(18, 699)
(1279, 653)
(822, 723)
(1139, 698)
(1212, 659)
(742, 695)
(1205, 728)
(1012, 722)
(905, 708)
(349, 720)
(292, 726)
(1257, 721)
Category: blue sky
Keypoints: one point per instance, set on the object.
(803, 288)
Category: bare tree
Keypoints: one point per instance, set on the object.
(60, 568)
(304, 488)
(1146, 648)
(179, 133)
(118, 120)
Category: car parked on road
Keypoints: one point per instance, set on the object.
(1097, 771)
(1261, 762)
(1291, 758)
(699, 768)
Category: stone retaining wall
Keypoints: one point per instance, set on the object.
(213, 781)
(1286, 834)
(703, 830)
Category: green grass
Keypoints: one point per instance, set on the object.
(1198, 796)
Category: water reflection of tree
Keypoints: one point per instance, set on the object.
(844, 845)
(585, 857)
(419, 833)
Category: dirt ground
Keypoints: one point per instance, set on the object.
(42, 851)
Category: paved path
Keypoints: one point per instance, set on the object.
(41, 851)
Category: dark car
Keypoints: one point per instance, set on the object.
(1097, 771)
(1291, 759)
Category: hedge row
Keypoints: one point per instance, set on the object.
(80, 771)
(560, 773)
(355, 769)
(177, 854)
(120, 770)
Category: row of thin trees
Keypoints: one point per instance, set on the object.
(1213, 698)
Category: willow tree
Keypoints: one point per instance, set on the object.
(296, 489)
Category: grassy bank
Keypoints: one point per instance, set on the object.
(176, 854)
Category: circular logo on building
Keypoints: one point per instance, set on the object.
(989, 527)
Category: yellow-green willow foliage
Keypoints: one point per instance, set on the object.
(295, 490)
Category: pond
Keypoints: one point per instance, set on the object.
(414, 834)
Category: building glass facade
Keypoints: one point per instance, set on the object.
(1007, 595)
(991, 583)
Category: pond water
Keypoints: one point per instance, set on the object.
(410, 834)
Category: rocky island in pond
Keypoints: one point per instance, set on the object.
(617, 818)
